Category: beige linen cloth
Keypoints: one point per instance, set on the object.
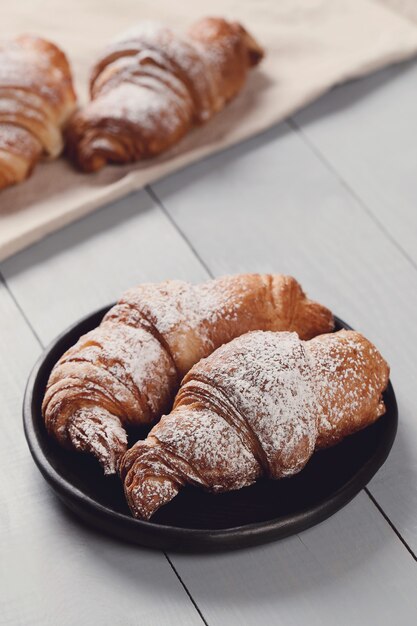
(311, 45)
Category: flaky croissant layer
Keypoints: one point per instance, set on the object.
(36, 99)
(128, 369)
(258, 406)
(150, 87)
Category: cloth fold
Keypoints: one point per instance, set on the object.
(311, 45)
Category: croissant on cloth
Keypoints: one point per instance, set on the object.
(258, 406)
(36, 99)
(128, 369)
(153, 85)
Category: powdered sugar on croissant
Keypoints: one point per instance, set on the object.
(127, 370)
(36, 99)
(152, 85)
(258, 406)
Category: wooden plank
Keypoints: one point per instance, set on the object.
(367, 131)
(224, 218)
(89, 263)
(53, 570)
(350, 570)
(272, 205)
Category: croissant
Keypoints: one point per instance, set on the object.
(152, 86)
(258, 406)
(36, 99)
(127, 370)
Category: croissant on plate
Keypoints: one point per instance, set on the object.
(36, 99)
(128, 369)
(258, 406)
(152, 86)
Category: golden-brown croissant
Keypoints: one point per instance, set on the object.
(36, 99)
(152, 86)
(258, 406)
(128, 369)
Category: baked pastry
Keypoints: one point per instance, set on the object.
(36, 99)
(150, 87)
(258, 406)
(128, 369)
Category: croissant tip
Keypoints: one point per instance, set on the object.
(149, 482)
(101, 434)
(255, 52)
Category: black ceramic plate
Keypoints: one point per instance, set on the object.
(196, 520)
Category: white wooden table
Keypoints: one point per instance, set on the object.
(330, 197)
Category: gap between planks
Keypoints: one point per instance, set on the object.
(183, 236)
(295, 128)
(151, 192)
(42, 346)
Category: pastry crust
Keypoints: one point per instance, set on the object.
(128, 369)
(36, 99)
(150, 87)
(258, 406)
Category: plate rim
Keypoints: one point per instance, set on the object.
(176, 538)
